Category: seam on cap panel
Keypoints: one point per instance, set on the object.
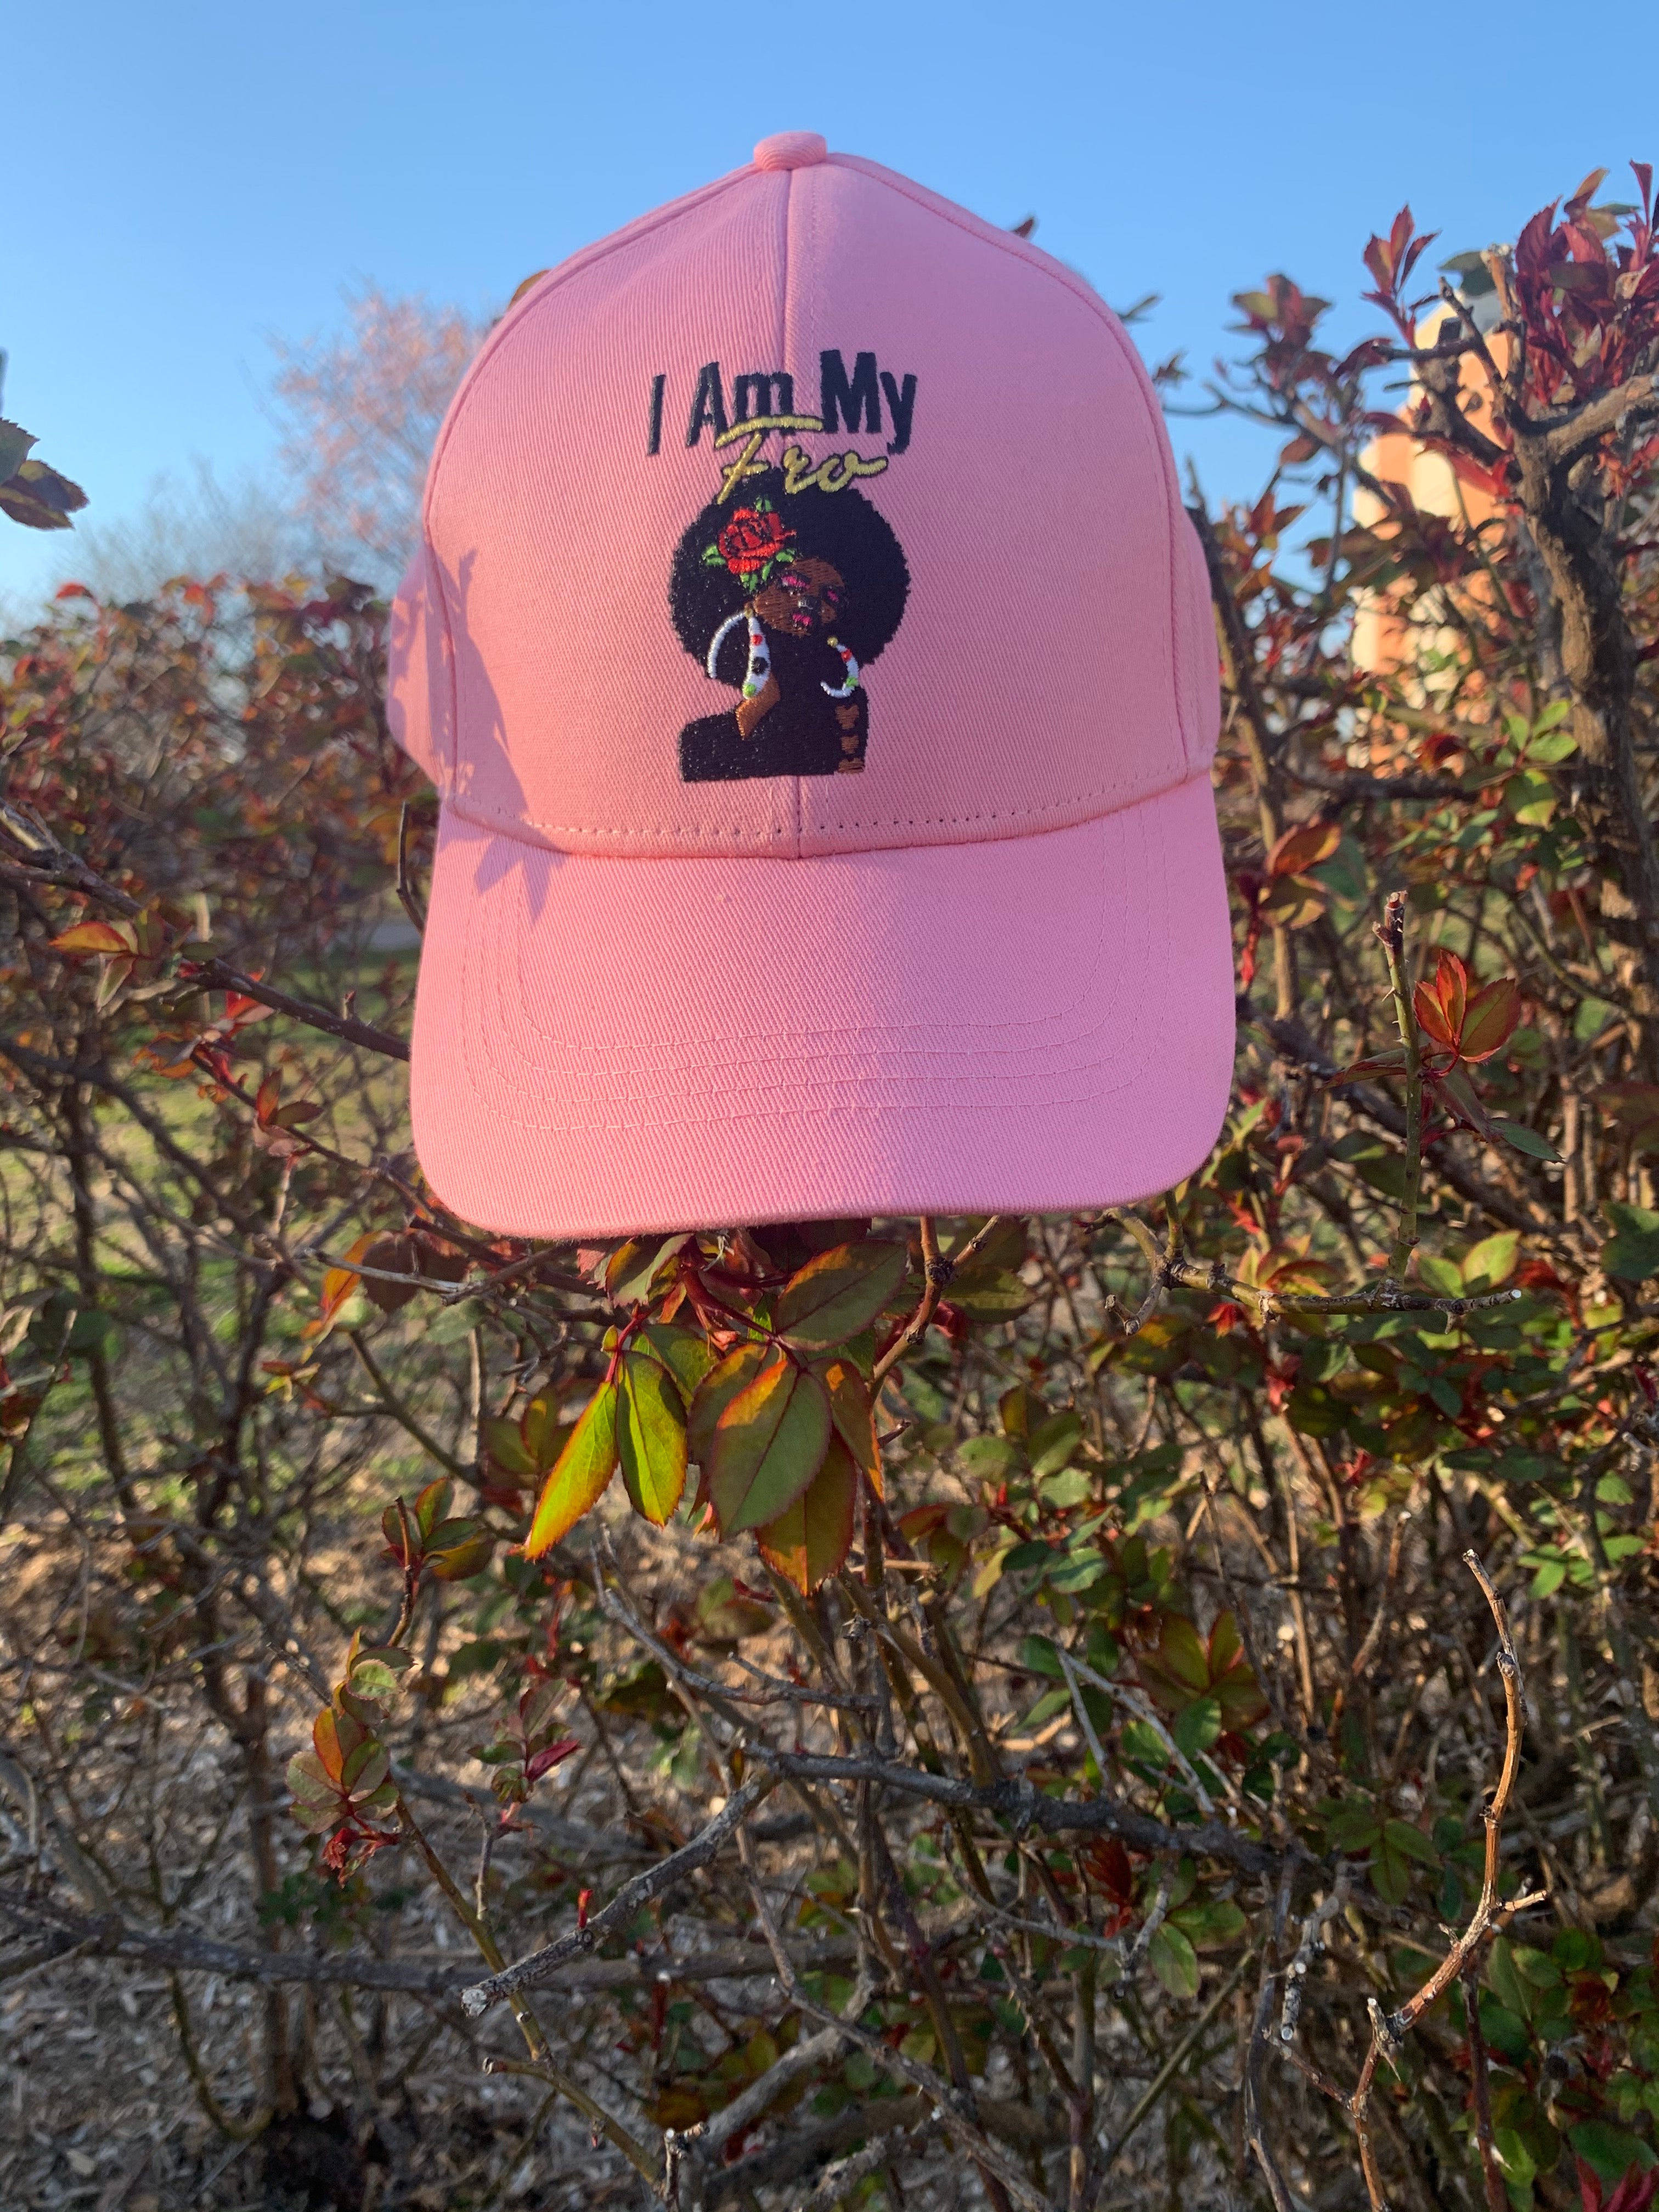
(505, 330)
(1034, 257)
(584, 259)
(784, 358)
(512, 826)
(435, 579)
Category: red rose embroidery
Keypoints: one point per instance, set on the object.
(752, 539)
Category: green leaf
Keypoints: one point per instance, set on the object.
(838, 1292)
(1071, 1488)
(1531, 797)
(723, 1617)
(92, 1331)
(39, 498)
(578, 1481)
(995, 1297)
(1050, 1703)
(1211, 1924)
(1523, 1140)
(1516, 2160)
(1344, 873)
(1052, 1443)
(309, 1780)
(367, 1769)
(1353, 1825)
(1444, 1278)
(1505, 1979)
(686, 1355)
(1411, 1843)
(1078, 1570)
(636, 1266)
(432, 1506)
(1391, 1876)
(1576, 1951)
(1179, 1669)
(457, 1550)
(768, 1444)
(811, 1539)
(1492, 1262)
(715, 1393)
(503, 1442)
(1633, 1254)
(1174, 1960)
(651, 1437)
(455, 1321)
(853, 1415)
(1198, 1725)
(1039, 1656)
(14, 443)
(1612, 2151)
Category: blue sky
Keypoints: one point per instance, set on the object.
(185, 180)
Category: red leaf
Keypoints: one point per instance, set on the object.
(1491, 1019)
(540, 1762)
(1431, 1017)
(1440, 1006)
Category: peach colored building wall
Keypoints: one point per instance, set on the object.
(1384, 621)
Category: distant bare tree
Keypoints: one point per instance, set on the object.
(188, 525)
(361, 412)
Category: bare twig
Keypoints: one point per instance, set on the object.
(541, 1966)
(220, 976)
(938, 1271)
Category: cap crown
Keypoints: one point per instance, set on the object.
(959, 561)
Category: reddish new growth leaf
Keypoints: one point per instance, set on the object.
(1391, 261)
(528, 1746)
(1465, 1025)
(1634, 2191)
(275, 1128)
(1108, 1865)
(338, 1785)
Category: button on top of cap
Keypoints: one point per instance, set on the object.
(790, 149)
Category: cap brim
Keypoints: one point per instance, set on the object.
(1038, 1025)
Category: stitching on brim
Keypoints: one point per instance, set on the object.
(502, 825)
(695, 1111)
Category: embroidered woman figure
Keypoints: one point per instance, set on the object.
(787, 599)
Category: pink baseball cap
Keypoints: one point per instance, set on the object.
(816, 667)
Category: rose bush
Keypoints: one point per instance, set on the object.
(1049, 1709)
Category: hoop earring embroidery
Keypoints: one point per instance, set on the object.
(847, 689)
(760, 656)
